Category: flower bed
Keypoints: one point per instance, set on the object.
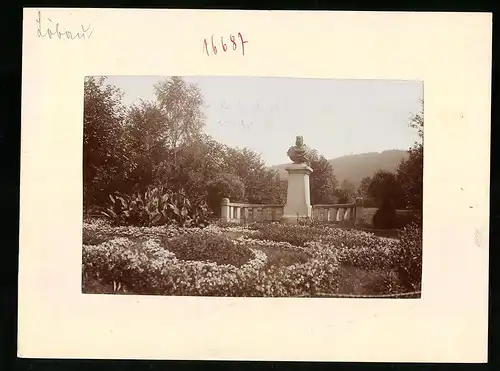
(267, 260)
(353, 247)
(206, 247)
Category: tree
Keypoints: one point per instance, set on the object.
(105, 154)
(282, 191)
(166, 136)
(249, 167)
(417, 121)
(410, 175)
(145, 134)
(322, 179)
(197, 164)
(270, 188)
(225, 185)
(349, 189)
(410, 171)
(363, 186)
(385, 187)
(180, 104)
(341, 196)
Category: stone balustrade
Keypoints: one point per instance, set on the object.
(242, 213)
(350, 213)
(298, 199)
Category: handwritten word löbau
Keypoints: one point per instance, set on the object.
(223, 45)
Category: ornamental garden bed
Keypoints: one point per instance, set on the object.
(262, 260)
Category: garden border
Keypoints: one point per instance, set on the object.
(416, 294)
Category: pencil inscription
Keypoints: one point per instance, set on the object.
(46, 28)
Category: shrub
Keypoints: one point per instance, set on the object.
(408, 257)
(385, 217)
(407, 217)
(206, 247)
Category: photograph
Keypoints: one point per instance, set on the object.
(241, 186)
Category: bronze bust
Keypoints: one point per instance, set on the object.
(299, 152)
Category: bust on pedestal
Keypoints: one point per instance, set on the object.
(298, 201)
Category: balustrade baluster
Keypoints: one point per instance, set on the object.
(347, 215)
(340, 215)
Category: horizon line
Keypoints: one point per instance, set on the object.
(347, 155)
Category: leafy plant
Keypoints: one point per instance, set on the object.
(157, 206)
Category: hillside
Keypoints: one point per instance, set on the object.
(356, 167)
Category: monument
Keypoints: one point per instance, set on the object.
(298, 202)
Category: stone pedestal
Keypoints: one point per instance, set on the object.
(298, 200)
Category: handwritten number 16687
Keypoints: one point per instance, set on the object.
(233, 44)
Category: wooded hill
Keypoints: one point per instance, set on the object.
(355, 167)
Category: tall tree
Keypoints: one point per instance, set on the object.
(181, 105)
(385, 187)
(410, 171)
(198, 163)
(104, 147)
(322, 179)
(249, 167)
(167, 136)
(146, 136)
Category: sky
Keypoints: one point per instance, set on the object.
(335, 117)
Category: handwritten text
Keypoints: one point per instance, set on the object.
(234, 44)
(47, 28)
(256, 107)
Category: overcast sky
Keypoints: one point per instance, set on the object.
(336, 117)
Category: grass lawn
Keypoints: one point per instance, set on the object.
(268, 260)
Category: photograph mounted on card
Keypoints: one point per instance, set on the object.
(220, 195)
(191, 187)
